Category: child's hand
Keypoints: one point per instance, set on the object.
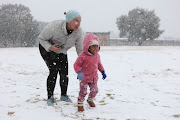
(80, 75)
(104, 75)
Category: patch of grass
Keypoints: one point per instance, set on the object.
(11, 113)
(176, 116)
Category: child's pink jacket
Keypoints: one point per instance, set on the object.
(87, 63)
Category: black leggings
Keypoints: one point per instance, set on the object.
(55, 63)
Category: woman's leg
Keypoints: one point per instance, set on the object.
(51, 80)
(63, 72)
(50, 60)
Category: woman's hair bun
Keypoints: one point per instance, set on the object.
(65, 13)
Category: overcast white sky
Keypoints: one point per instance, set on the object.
(100, 15)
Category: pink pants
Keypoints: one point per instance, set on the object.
(83, 90)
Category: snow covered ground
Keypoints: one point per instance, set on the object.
(143, 84)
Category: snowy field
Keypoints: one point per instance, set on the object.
(143, 83)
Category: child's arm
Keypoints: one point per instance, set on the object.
(100, 66)
(78, 63)
(78, 66)
(101, 69)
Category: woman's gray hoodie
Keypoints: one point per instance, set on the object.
(56, 33)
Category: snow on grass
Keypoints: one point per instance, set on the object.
(143, 83)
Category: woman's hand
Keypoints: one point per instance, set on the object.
(55, 47)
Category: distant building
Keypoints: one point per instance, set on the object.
(125, 42)
(105, 40)
(104, 37)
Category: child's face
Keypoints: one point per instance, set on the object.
(93, 49)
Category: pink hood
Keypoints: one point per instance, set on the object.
(87, 63)
(88, 40)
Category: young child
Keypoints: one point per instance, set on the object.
(86, 66)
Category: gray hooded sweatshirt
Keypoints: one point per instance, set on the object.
(56, 33)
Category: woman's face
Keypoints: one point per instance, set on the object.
(75, 23)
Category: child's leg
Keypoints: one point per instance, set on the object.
(83, 91)
(92, 94)
(93, 90)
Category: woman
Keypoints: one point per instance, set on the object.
(54, 41)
